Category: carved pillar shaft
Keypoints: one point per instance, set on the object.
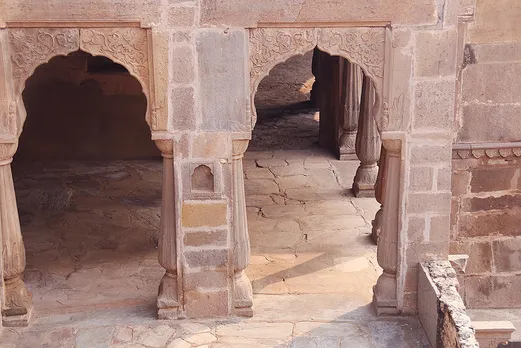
(243, 293)
(315, 70)
(385, 295)
(17, 304)
(367, 144)
(379, 195)
(167, 300)
(350, 107)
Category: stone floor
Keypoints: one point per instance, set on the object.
(91, 235)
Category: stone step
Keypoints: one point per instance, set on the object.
(493, 333)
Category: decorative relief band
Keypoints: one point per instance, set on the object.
(490, 150)
(31, 47)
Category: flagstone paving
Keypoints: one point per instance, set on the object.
(91, 236)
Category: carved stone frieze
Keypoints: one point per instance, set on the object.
(362, 46)
(493, 150)
(31, 47)
(126, 46)
(8, 121)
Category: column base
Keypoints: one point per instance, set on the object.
(384, 295)
(347, 156)
(169, 314)
(363, 191)
(242, 295)
(384, 307)
(347, 146)
(167, 303)
(20, 320)
(365, 180)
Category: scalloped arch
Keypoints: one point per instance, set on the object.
(32, 47)
(362, 46)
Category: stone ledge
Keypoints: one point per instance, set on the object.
(493, 333)
(490, 150)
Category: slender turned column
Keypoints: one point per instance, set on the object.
(385, 291)
(367, 144)
(242, 293)
(315, 70)
(379, 194)
(18, 304)
(167, 300)
(350, 107)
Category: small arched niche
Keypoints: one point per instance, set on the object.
(203, 179)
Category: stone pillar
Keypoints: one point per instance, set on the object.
(167, 300)
(17, 304)
(385, 290)
(367, 144)
(379, 195)
(242, 291)
(315, 69)
(350, 108)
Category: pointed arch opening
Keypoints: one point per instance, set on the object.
(303, 216)
(88, 185)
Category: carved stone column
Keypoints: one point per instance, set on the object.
(167, 300)
(367, 144)
(17, 304)
(350, 108)
(379, 195)
(242, 292)
(385, 290)
(315, 70)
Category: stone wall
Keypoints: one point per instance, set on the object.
(485, 186)
(491, 66)
(486, 225)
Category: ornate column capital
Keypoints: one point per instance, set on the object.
(393, 146)
(166, 146)
(239, 147)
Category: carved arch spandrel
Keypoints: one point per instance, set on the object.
(362, 46)
(32, 47)
(128, 47)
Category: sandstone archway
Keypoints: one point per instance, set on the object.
(363, 46)
(29, 48)
(369, 48)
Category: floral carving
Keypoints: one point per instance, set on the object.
(31, 47)
(271, 46)
(8, 120)
(125, 46)
(362, 46)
